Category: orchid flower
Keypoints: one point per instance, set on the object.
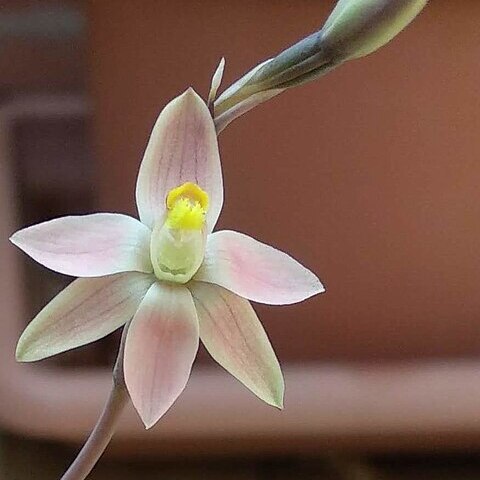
(167, 274)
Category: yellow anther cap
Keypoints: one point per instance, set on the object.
(186, 207)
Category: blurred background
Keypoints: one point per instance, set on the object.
(370, 176)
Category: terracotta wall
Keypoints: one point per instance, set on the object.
(370, 176)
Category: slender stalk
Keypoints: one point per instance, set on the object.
(104, 429)
(100, 437)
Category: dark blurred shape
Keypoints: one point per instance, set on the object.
(42, 46)
(42, 22)
(53, 173)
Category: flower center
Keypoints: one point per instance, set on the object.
(187, 206)
(177, 246)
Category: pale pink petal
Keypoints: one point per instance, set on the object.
(161, 344)
(235, 338)
(255, 270)
(87, 310)
(182, 148)
(88, 245)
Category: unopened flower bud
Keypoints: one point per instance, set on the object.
(354, 29)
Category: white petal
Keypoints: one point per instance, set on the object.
(233, 89)
(235, 338)
(182, 148)
(162, 342)
(88, 245)
(87, 310)
(255, 270)
(237, 110)
(216, 81)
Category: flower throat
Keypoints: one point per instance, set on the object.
(178, 243)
